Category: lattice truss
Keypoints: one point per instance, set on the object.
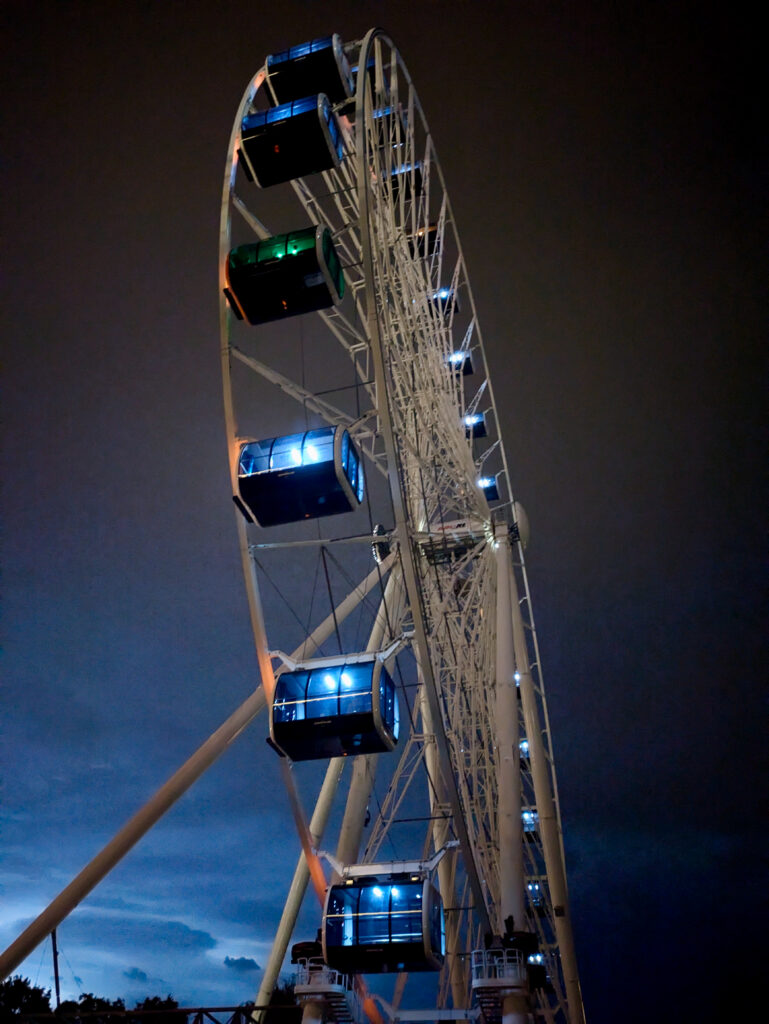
(425, 312)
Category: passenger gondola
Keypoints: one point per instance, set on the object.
(284, 276)
(490, 487)
(446, 301)
(299, 476)
(333, 710)
(291, 141)
(530, 822)
(383, 125)
(523, 755)
(406, 177)
(310, 68)
(536, 899)
(384, 922)
(461, 363)
(475, 425)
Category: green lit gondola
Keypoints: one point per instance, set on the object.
(284, 276)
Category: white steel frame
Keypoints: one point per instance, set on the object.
(467, 717)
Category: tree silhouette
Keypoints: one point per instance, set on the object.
(19, 998)
(283, 1007)
(166, 1011)
(97, 1008)
(18, 995)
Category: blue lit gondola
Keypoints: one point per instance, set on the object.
(523, 755)
(310, 68)
(384, 122)
(536, 969)
(461, 363)
(335, 710)
(530, 822)
(284, 276)
(376, 924)
(490, 487)
(475, 425)
(446, 301)
(300, 476)
(291, 141)
(405, 177)
(536, 898)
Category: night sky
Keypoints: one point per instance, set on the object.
(606, 172)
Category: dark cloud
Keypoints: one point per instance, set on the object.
(266, 912)
(241, 964)
(134, 974)
(119, 933)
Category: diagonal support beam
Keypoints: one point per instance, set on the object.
(329, 412)
(168, 794)
(131, 833)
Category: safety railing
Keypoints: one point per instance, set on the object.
(498, 965)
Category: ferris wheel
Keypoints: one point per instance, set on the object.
(409, 714)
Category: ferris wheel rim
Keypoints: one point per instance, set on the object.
(406, 536)
(251, 584)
